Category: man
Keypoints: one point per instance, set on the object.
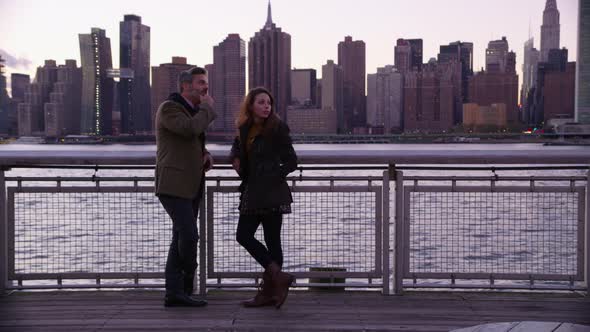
(182, 161)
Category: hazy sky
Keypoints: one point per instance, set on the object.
(34, 30)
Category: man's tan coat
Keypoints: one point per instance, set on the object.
(179, 161)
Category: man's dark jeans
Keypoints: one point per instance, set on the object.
(182, 255)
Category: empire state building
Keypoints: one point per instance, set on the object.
(269, 63)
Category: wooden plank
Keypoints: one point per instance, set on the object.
(303, 311)
(569, 327)
(495, 327)
(527, 326)
(80, 328)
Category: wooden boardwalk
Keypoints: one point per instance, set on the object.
(303, 311)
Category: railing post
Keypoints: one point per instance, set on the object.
(3, 233)
(385, 235)
(203, 245)
(587, 235)
(398, 286)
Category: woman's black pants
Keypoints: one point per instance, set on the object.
(271, 224)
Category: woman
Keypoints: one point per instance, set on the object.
(263, 156)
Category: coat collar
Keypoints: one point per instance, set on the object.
(178, 98)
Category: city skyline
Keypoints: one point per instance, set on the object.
(25, 45)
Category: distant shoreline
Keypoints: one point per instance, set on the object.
(546, 139)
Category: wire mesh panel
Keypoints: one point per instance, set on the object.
(330, 228)
(514, 231)
(87, 230)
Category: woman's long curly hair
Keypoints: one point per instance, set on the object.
(246, 114)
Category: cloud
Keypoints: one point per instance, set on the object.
(14, 62)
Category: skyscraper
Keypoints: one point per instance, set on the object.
(498, 84)
(306, 116)
(510, 63)
(529, 73)
(165, 81)
(19, 84)
(228, 81)
(62, 112)
(554, 93)
(487, 88)
(558, 92)
(460, 53)
(408, 55)
(269, 63)
(4, 101)
(549, 29)
(351, 57)
(384, 99)
(332, 92)
(558, 58)
(403, 55)
(31, 117)
(97, 87)
(429, 98)
(496, 56)
(303, 87)
(417, 57)
(134, 87)
(583, 65)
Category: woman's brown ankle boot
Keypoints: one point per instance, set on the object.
(265, 293)
(281, 282)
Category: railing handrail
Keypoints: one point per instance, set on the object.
(336, 155)
(296, 178)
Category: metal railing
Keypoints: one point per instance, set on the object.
(115, 234)
(463, 227)
(335, 232)
(89, 233)
(530, 229)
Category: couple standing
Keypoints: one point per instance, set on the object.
(263, 156)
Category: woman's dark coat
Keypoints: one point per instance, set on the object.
(264, 169)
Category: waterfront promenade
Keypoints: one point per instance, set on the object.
(303, 311)
(428, 217)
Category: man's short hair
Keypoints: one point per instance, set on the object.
(187, 76)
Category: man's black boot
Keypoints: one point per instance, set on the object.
(182, 300)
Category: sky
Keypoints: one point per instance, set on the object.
(32, 31)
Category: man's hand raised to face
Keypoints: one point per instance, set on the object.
(207, 99)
